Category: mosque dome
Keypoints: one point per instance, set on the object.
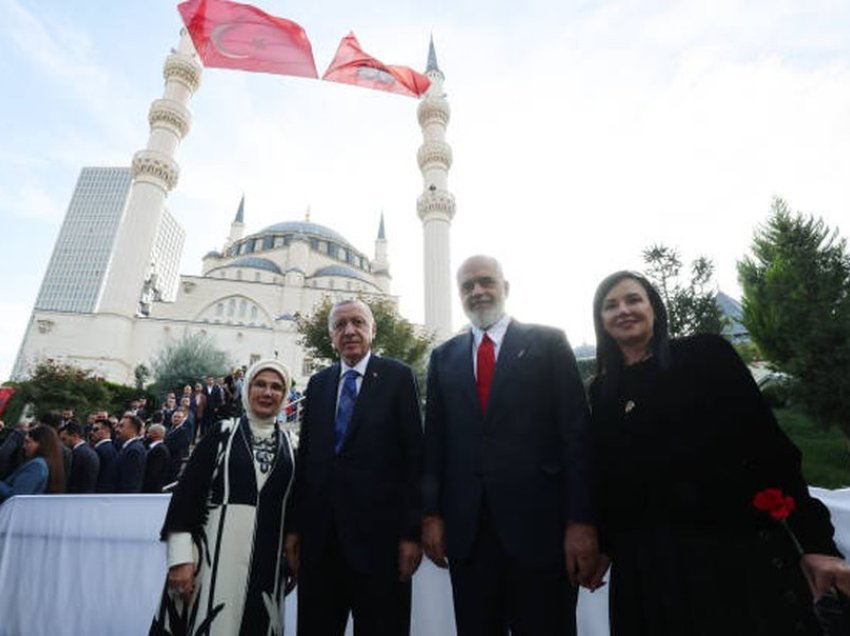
(341, 271)
(304, 227)
(256, 263)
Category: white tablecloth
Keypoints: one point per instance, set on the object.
(93, 565)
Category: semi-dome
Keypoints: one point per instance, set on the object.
(304, 227)
(342, 271)
(256, 263)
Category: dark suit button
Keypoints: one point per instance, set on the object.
(777, 563)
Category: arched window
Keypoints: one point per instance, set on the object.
(231, 306)
(219, 309)
(243, 307)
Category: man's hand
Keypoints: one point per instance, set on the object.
(409, 558)
(823, 571)
(434, 541)
(581, 552)
(292, 551)
(181, 579)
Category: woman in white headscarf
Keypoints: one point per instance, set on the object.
(225, 521)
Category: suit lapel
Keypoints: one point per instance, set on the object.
(329, 397)
(462, 372)
(514, 347)
(368, 389)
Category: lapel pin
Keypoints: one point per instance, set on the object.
(375, 374)
(629, 406)
(521, 353)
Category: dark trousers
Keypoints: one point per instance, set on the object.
(493, 593)
(329, 588)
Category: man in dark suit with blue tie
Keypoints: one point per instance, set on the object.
(508, 486)
(354, 521)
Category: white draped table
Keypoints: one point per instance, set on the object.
(94, 565)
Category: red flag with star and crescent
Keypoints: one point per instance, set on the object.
(351, 65)
(239, 36)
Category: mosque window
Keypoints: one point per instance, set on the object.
(343, 254)
(257, 277)
(253, 312)
(323, 247)
(238, 274)
(268, 242)
(333, 248)
(258, 245)
(243, 307)
(243, 247)
(231, 306)
(307, 366)
(249, 247)
(219, 309)
(314, 243)
(278, 241)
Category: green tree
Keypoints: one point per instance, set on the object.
(396, 337)
(691, 307)
(55, 386)
(186, 361)
(797, 309)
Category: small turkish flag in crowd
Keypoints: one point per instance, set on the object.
(6, 393)
(351, 65)
(239, 36)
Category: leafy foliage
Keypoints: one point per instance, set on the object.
(797, 309)
(395, 336)
(691, 307)
(55, 386)
(186, 361)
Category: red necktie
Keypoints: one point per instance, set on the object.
(486, 367)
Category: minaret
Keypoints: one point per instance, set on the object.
(131, 271)
(380, 264)
(436, 205)
(237, 228)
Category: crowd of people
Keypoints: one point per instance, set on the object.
(521, 481)
(142, 450)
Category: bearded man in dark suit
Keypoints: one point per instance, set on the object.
(508, 486)
(354, 524)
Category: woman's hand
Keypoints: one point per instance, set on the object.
(181, 579)
(823, 571)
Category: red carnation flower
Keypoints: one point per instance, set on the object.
(774, 502)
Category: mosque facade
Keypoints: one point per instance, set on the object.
(249, 293)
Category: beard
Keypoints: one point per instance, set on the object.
(486, 316)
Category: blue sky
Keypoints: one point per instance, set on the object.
(582, 132)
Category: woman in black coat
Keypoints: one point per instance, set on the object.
(685, 442)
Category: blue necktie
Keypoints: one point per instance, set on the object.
(345, 408)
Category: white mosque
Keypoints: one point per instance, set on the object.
(112, 295)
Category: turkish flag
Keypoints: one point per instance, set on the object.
(352, 66)
(6, 393)
(231, 35)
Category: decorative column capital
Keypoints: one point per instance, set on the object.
(434, 152)
(433, 110)
(171, 115)
(435, 205)
(184, 69)
(156, 167)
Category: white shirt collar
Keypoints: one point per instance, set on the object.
(360, 367)
(496, 331)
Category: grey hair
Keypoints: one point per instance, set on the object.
(159, 429)
(350, 301)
